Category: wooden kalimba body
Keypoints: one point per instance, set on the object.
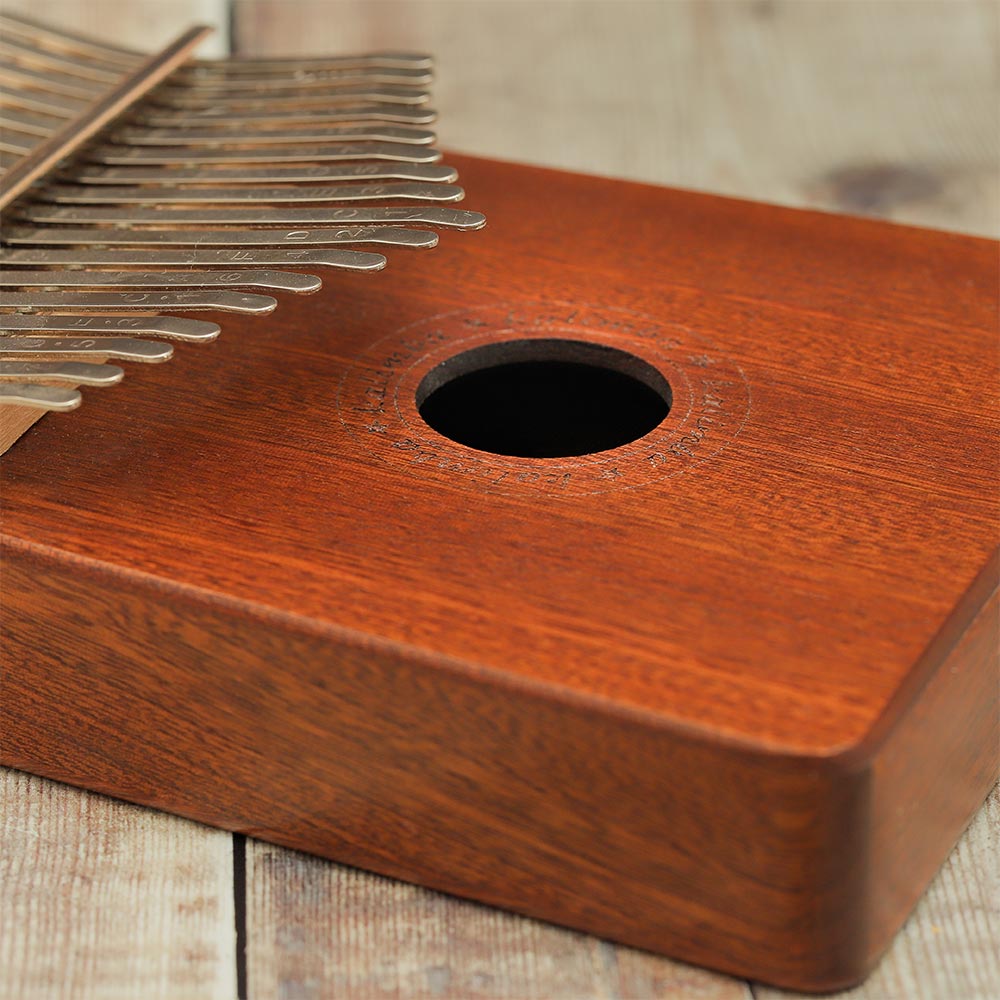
(630, 564)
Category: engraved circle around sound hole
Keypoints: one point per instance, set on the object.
(705, 395)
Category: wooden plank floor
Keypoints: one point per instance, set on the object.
(99, 898)
(887, 108)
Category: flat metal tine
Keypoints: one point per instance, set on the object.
(23, 125)
(131, 217)
(348, 260)
(37, 124)
(40, 397)
(84, 348)
(278, 84)
(18, 142)
(42, 35)
(222, 136)
(254, 66)
(235, 239)
(179, 98)
(46, 104)
(71, 301)
(92, 194)
(20, 52)
(131, 156)
(282, 281)
(435, 173)
(18, 148)
(260, 117)
(19, 134)
(171, 327)
(76, 372)
(48, 82)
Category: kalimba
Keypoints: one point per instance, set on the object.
(630, 564)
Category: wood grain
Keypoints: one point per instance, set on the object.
(948, 946)
(14, 421)
(495, 726)
(877, 107)
(101, 899)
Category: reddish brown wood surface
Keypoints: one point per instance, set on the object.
(252, 589)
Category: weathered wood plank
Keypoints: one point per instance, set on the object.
(886, 108)
(948, 947)
(99, 898)
(317, 929)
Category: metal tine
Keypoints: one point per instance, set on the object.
(92, 194)
(25, 138)
(40, 397)
(77, 372)
(48, 82)
(39, 123)
(388, 235)
(18, 148)
(46, 104)
(139, 301)
(22, 127)
(253, 65)
(63, 41)
(261, 117)
(282, 281)
(28, 55)
(133, 156)
(85, 348)
(271, 84)
(179, 98)
(350, 260)
(15, 137)
(222, 136)
(436, 173)
(171, 327)
(132, 218)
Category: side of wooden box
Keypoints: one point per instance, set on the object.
(933, 758)
(451, 775)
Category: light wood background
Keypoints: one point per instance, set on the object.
(887, 107)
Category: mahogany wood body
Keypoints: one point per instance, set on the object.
(730, 696)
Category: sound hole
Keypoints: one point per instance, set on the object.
(544, 398)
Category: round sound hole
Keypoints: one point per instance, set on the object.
(544, 398)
